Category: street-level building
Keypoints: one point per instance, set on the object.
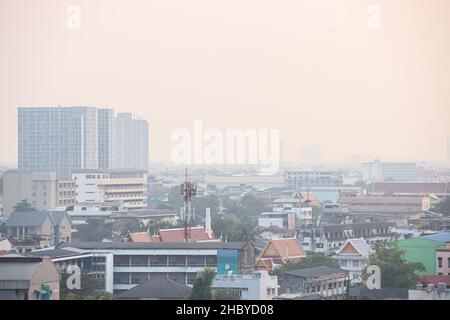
(353, 258)
(28, 278)
(124, 265)
(257, 286)
(128, 186)
(328, 282)
(39, 189)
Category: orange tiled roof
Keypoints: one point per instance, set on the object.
(288, 248)
(141, 237)
(177, 235)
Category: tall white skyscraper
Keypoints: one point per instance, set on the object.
(105, 127)
(130, 142)
(64, 139)
(56, 139)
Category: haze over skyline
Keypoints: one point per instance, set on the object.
(309, 68)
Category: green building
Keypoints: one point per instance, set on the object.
(421, 250)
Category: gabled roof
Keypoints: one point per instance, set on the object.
(355, 247)
(157, 288)
(140, 237)
(289, 247)
(177, 235)
(28, 219)
(278, 251)
(58, 216)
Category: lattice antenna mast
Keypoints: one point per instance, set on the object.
(188, 191)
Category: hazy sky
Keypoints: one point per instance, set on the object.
(311, 68)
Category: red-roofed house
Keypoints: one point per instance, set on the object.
(279, 251)
(425, 279)
(197, 234)
(141, 237)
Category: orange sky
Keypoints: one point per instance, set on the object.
(310, 68)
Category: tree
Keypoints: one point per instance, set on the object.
(396, 272)
(201, 289)
(251, 206)
(96, 230)
(23, 206)
(443, 207)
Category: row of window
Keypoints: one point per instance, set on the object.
(440, 264)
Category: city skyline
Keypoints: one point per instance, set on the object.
(63, 139)
(312, 70)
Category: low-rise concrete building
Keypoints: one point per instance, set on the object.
(26, 278)
(328, 282)
(123, 265)
(38, 229)
(443, 260)
(257, 286)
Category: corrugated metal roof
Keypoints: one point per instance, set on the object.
(17, 268)
(439, 237)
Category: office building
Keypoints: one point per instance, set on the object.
(297, 180)
(123, 265)
(129, 187)
(105, 141)
(130, 143)
(381, 203)
(38, 188)
(397, 171)
(58, 139)
(64, 139)
(66, 193)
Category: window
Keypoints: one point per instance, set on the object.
(355, 263)
(440, 262)
(448, 262)
(344, 263)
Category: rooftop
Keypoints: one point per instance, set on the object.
(27, 219)
(315, 272)
(18, 268)
(154, 245)
(439, 237)
(160, 288)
